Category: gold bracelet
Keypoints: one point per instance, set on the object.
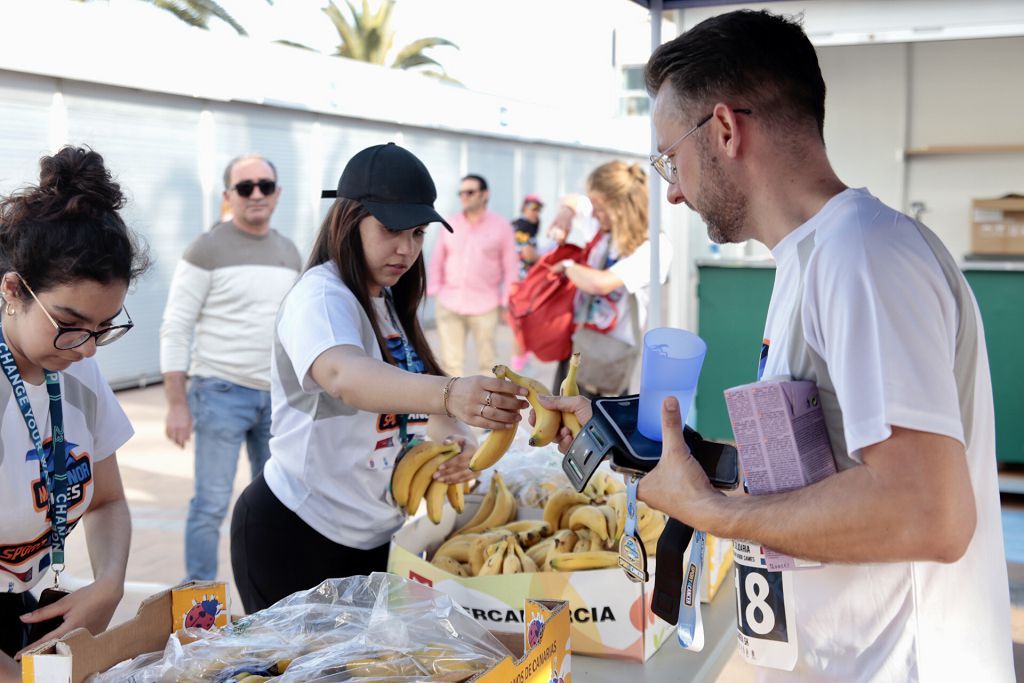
(444, 396)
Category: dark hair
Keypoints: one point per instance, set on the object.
(339, 241)
(753, 59)
(68, 227)
(479, 179)
(245, 157)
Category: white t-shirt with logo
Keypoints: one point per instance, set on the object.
(610, 313)
(95, 426)
(331, 463)
(878, 305)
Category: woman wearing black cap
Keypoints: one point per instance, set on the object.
(353, 379)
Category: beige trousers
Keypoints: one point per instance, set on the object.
(452, 327)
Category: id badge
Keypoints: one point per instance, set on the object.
(632, 554)
(765, 611)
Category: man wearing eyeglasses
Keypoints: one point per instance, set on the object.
(869, 305)
(218, 332)
(469, 273)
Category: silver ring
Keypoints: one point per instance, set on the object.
(488, 401)
(482, 410)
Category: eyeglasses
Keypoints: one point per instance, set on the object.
(244, 188)
(72, 337)
(467, 193)
(663, 163)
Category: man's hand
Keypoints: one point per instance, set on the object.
(179, 423)
(677, 485)
(577, 405)
(91, 607)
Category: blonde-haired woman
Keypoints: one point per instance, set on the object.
(616, 275)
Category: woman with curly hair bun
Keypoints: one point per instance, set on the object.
(66, 261)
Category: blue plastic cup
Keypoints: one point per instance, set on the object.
(671, 364)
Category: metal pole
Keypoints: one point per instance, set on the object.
(654, 201)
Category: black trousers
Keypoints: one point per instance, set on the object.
(13, 633)
(274, 553)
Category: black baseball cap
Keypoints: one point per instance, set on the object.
(393, 185)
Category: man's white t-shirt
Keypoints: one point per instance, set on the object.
(877, 297)
(611, 313)
(331, 463)
(95, 426)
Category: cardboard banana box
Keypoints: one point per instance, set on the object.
(541, 651)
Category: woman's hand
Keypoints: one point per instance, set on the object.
(579, 406)
(456, 470)
(486, 402)
(561, 226)
(91, 607)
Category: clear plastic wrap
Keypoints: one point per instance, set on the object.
(531, 473)
(374, 628)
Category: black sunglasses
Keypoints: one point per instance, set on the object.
(244, 188)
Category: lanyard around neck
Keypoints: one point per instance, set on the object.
(403, 419)
(56, 483)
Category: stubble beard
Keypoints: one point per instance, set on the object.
(723, 205)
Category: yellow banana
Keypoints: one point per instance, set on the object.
(410, 463)
(511, 564)
(478, 549)
(436, 493)
(493, 447)
(456, 548)
(570, 388)
(539, 553)
(652, 532)
(493, 564)
(548, 422)
(560, 501)
(614, 532)
(613, 485)
(571, 562)
(449, 564)
(423, 478)
(589, 517)
(504, 507)
(582, 544)
(563, 523)
(456, 497)
(526, 563)
(565, 540)
(486, 506)
(617, 502)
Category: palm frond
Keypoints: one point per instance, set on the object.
(417, 47)
(351, 42)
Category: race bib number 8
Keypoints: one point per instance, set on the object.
(764, 612)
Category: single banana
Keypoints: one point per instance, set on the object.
(410, 463)
(613, 485)
(511, 564)
(547, 421)
(456, 497)
(582, 541)
(450, 565)
(493, 447)
(563, 523)
(560, 501)
(617, 502)
(570, 388)
(493, 564)
(485, 509)
(478, 549)
(456, 548)
(610, 519)
(652, 532)
(504, 507)
(589, 517)
(437, 491)
(539, 526)
(570, 562)
(527, 565)
(423, 478)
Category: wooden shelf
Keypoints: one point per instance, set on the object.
(940, 150)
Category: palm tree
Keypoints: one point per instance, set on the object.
(198, 12)
(368, 37)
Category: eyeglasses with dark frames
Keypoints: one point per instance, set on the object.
(244, 188)
(68, 338)
(663, 163)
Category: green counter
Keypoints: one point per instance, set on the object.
(733, 301)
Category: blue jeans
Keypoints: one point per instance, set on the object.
(224, 415)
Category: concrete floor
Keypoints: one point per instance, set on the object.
(158, 481)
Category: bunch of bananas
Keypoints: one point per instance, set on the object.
(547, 423)
(440, 663)
(413, 480)
(579, 531)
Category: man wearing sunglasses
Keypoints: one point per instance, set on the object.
(217, 332)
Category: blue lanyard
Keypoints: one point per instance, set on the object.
(56, 484)
(403, 419)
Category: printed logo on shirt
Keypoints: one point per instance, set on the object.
(765, 345)
(603, 315)
(384, 443)
(79, 468)
(389, 421)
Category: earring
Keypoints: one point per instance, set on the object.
(10, 310)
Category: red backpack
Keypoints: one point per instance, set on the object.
(540, 306)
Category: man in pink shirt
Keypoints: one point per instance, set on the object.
(469, 273)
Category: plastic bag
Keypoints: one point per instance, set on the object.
(353, 629)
